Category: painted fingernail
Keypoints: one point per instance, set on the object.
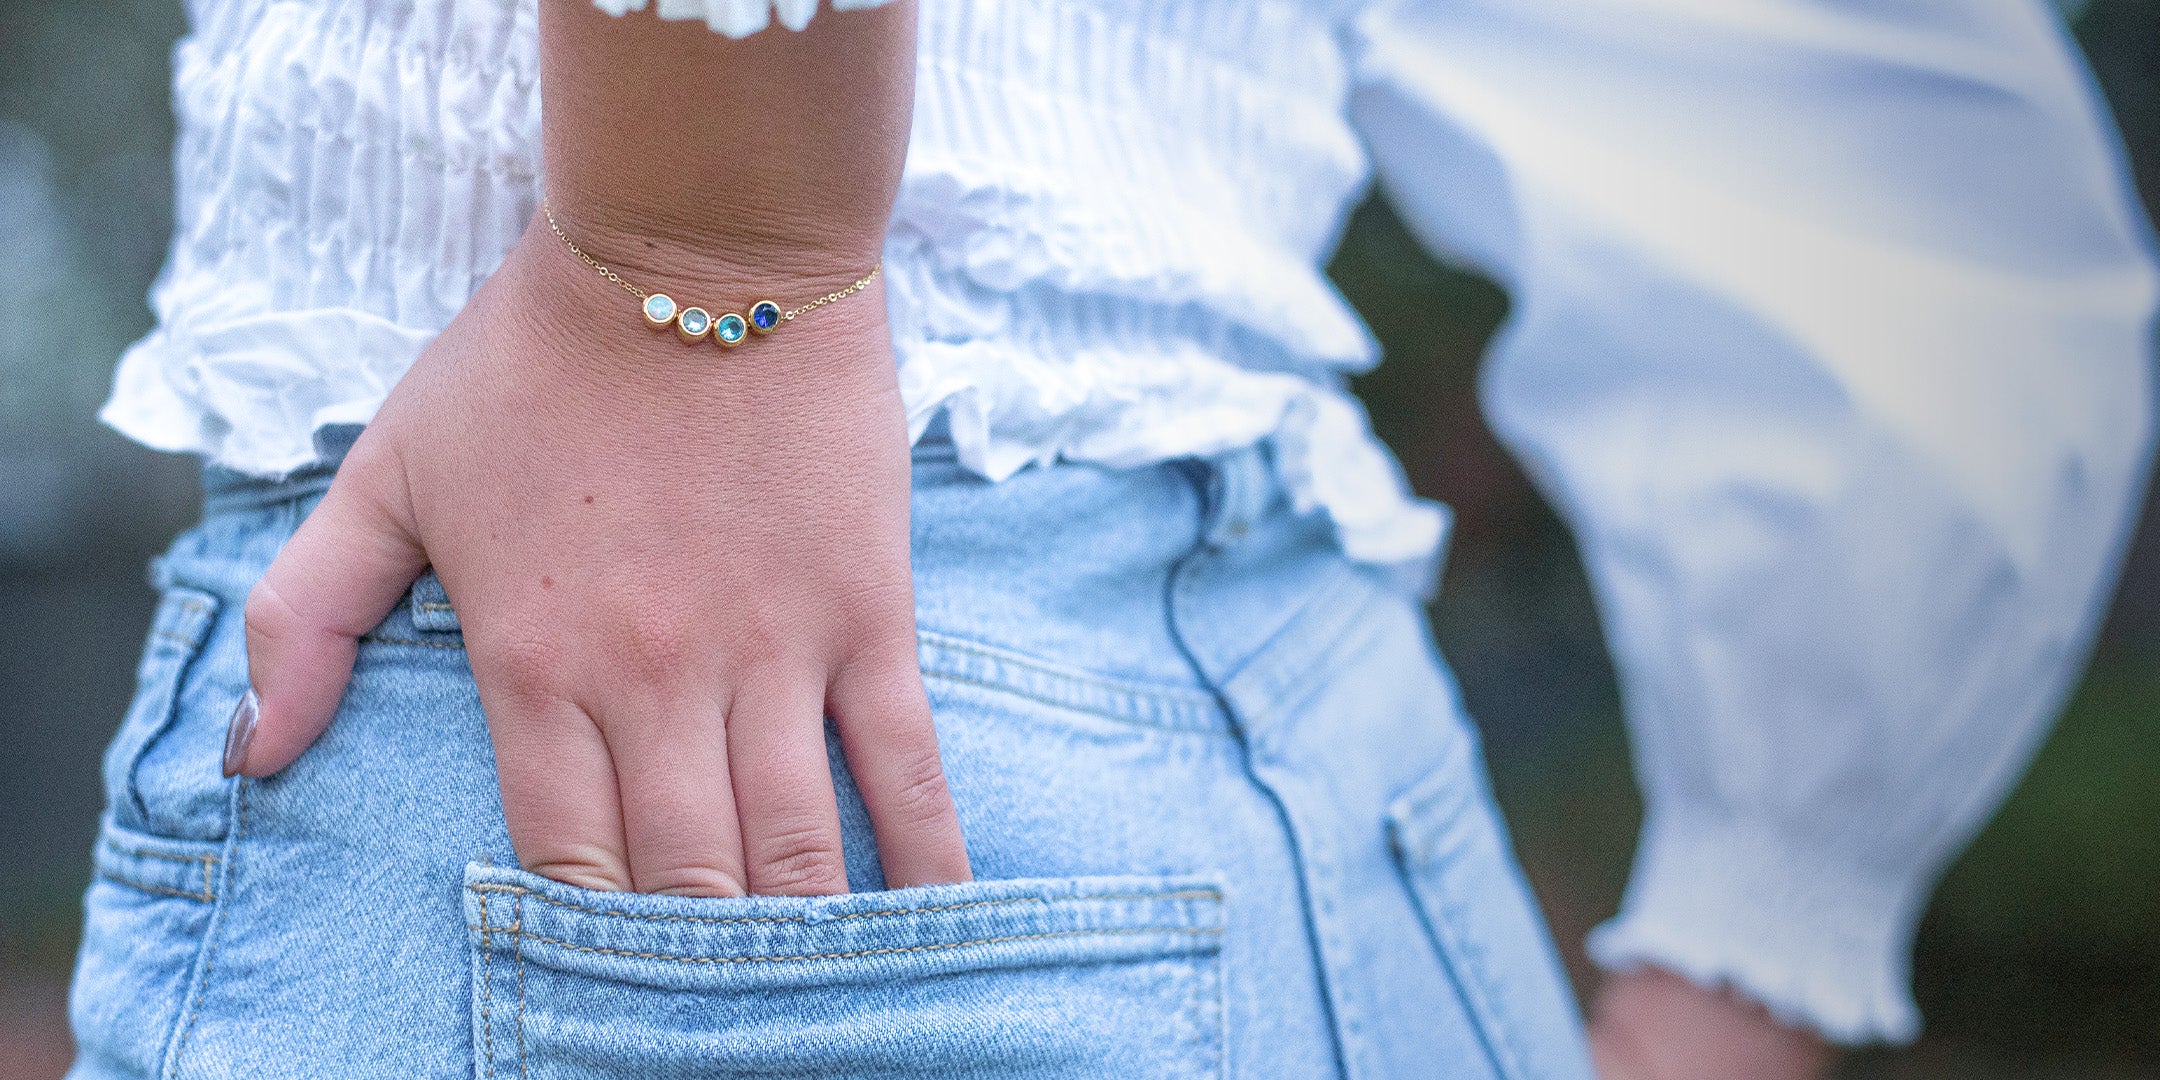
(241, 732)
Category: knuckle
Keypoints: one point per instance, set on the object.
(266, 615)
(798, 860)
(885, 642)
(920, 795)
(530, 667)
(658, 648)
(759, 649)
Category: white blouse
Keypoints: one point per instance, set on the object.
(1830, 336)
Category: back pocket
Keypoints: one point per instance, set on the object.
(1068, 977)
(1446, 837)
(134, 798)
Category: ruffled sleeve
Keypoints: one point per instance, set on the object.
(737, 18)
(1831, 338)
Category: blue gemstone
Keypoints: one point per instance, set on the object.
(766, 315)
(693, 320)
(731, 328)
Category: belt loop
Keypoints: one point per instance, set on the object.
(1239, 489)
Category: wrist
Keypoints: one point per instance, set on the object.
(1652, 1024)
(702, 269)
(605, 345)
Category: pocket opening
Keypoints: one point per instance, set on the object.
(1454, 857)
(1066, 977)
(178, 632)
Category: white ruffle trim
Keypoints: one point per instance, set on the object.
(737, 18)
(1813, 939)
(1007, 410)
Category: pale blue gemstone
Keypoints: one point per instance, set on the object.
(659, 308)
(695, 320)
(731, 328)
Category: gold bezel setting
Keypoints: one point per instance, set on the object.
(693, 323)
(660, 311)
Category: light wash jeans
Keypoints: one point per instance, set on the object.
(1225, 811)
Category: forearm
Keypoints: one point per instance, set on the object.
(696, 159)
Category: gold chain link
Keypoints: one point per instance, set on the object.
(580, 253)
(789, 316)
(785, 316)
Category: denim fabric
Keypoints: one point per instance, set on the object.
(1227, 818)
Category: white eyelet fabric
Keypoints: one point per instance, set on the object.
(1848, 407)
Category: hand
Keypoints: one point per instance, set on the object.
(670, 561)
(1650, 1024)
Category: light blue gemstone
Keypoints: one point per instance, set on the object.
(659, 308)
(731, 328)
(695, 320)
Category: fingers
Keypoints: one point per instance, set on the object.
(885, 728)
(558, 785)
(678, 810)
(334, 581)
(784, 787)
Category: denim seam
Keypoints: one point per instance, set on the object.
(941, 640)
(1222, 1021)
(186, 608)
(208, 862)
(1278, 676)
(1443, 916)
(262, 493)
(487, 989)
(1164, 696)
(161, 890)
(378, 639)
(517, 943)
(1185, 894)
(217, 923)
(1468, 975)
(1142, 931)
(190, 613)
(1044, 699)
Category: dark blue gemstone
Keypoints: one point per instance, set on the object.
(766, 315)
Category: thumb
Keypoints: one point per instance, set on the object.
(334, 581)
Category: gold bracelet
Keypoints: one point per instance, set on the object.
(693, 323)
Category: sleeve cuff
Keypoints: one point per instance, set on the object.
(1819, 941)
(736, 18)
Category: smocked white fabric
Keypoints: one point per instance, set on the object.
(1831, 332)
(737, 18)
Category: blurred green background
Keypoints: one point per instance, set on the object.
(2039, 958)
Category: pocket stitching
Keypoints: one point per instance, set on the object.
(1185, 894)
(1169, 935)
(180, 628)
(893, 950)
(379, 639)
(487, 989)
(517, 945)
(1412, 845)
(204, 897)
(208, 863)
(217, 923)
